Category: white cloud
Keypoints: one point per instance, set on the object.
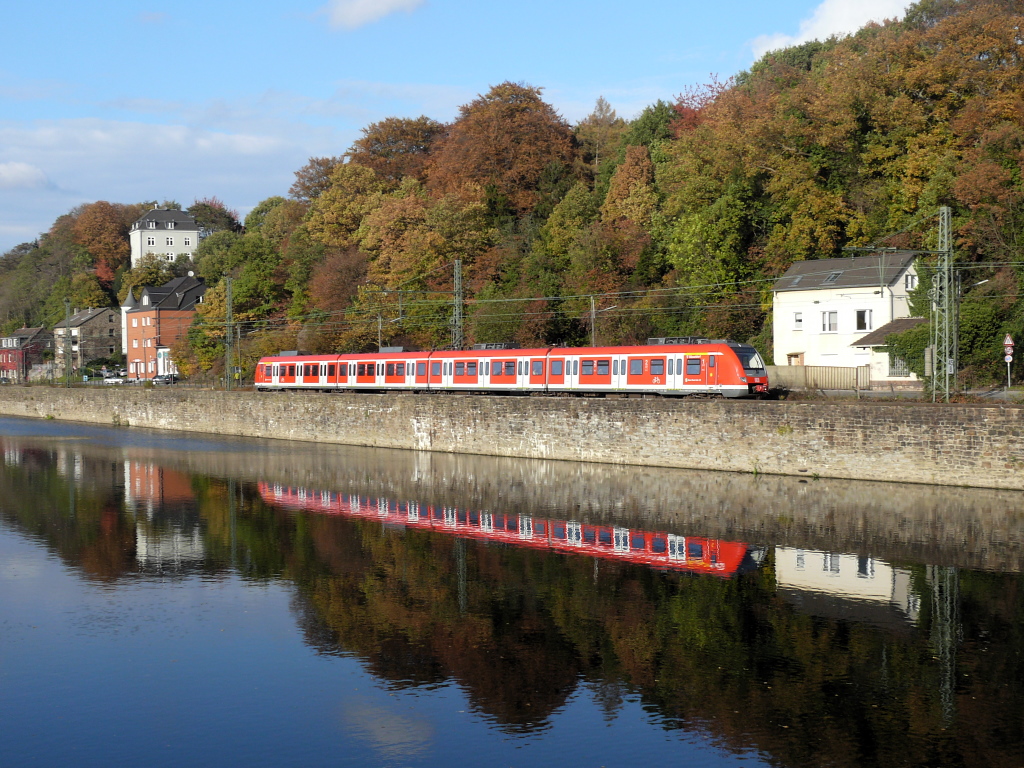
(832, 17)
(357, 13)
(21, 176)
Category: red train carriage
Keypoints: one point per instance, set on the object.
(658, 549)
(702, 367)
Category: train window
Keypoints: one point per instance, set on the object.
(605, 536)
(471, 369)
(400, 369)
(291, 370)
(519, 368)
(679, 365)
(435, 369)
(558, 531)
(636, 542)
(694, 550)
(670, 368)
(693, 366)
(421, 369)
(602, 367)
(658, 545)
(460, 369)
(495, 368)
(510, 368)
(711, 361)
(556, 367)
(575, 367)
(588, 535)
(391, 369)
(615, 367)
(588, 367)
(380, 369)
(658, 367)
(361, 368)
(636, 367)
(331, 369)
(538, 367)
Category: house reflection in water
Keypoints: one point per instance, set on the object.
(843, 586)
(168, 536)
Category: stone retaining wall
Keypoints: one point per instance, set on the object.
(921, 443)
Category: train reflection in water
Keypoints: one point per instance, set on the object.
(658, 549)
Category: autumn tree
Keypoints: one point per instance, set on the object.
(101, 229)
(312, 179)
(338, 212)
(503, 141)
(212, 214)
(396, 148)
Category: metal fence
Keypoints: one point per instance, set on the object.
(819, 377)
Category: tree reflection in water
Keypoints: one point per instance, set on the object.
(522, 629)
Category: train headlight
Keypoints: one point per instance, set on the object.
(743, 379)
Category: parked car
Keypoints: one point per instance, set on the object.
(113, 380)
(165, 378)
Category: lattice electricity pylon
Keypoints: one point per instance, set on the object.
(457, 334)
(945, 303)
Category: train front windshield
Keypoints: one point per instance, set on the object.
(752, 362)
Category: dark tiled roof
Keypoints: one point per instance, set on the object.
(27, 334)
(181, 293)
(854, 272)
(83, 316)
(877, 337)
(161, 216)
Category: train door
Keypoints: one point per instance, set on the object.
(538, 371)
(695, 375)
(556, 372)
(712, 371)
(420, 377)
(435, 377)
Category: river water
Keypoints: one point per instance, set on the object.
(170, 599)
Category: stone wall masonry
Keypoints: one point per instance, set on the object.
(920, 443)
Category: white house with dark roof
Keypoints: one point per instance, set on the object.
(821, 307)
(165, 233)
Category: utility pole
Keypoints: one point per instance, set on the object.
(593, 323)
(228, 333)
(945, 303)
(67, 342)
(457, 336)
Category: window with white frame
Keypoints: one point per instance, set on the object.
(170, 241)
(798, 321)
(910, 281)
(188, 242)
(135, 343)
(829, 321)
(150, 240)
(151, 224)
(135, 322)
(170, 225)
(863, 319)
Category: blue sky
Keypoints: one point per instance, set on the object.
(131, 100)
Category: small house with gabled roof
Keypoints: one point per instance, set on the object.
(165, 233)
(822, 306)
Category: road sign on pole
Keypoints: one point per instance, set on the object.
(1008, 341)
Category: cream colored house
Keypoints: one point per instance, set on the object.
(821, 307)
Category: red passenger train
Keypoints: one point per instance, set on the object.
(658, 549)
(672, 367)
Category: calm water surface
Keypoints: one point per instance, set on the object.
(172, 600)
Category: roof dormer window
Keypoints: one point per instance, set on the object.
(170, 225)
(832, 277)
(145, 300)
(151, 224)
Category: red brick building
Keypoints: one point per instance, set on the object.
(155, 321)
(21, 350)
